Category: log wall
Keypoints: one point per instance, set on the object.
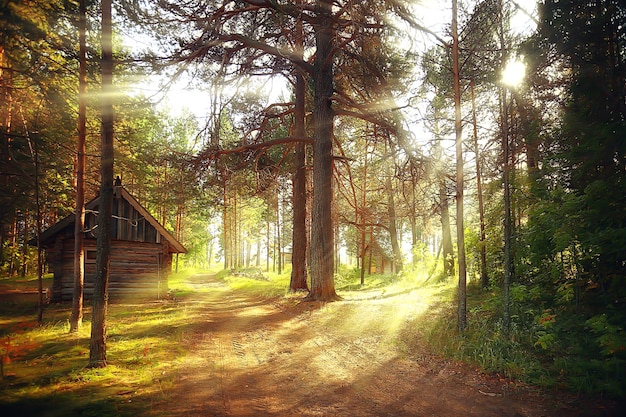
(126, 224)
(138, 270)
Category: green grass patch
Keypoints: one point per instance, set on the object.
(28, 283)
(258, 282)
(45, 368)
(348, 279)
(19, 300)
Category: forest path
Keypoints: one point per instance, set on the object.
(258, 356)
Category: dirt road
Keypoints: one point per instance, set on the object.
(257, 356)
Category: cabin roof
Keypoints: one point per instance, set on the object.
(175, 245)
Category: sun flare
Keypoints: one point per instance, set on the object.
(514, 73)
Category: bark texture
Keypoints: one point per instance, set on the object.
(446, 232)
(460, 228)
(322, 239)
(299, 241)
(97, 347)
(76, 319)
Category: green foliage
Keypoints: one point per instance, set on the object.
(549, 347)
(577, 230)
(348, 278)
(576, 312)
(610, 337)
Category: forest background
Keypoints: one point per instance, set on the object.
(421, 140)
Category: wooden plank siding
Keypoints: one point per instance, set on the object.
(126, 224)
(141, 252)
(137, 270)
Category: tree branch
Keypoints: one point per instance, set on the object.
(212, 153)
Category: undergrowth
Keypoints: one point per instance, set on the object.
(543, 346)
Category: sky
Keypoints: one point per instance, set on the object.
(184, 94)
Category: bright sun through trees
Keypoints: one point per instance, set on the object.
(514, 72)
(423, 163)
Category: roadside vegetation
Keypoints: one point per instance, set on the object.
(542, 348)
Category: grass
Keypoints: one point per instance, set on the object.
(24, 283)
(46, 370)
(259, 282)
(569, 359)
(45, 367)
(46, 360)
(484, 343)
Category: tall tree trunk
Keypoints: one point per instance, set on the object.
(508, 223)
(460, 237)
(164, 200)
(299, 242)
(371, 252)
(97, 348)
(209, 252)
(225, 237)
(275, 240)
(248, 252)
(269, 240)
(338, 259)
(506, 170)
(446, 245)
(484, 278)
(234, 249)
(309, 210)
(76, 319)
(179, 229)
(40, 300)
(3, 237)
(25, 239)
(415, 232)
(235, 227)
(279, 242)
(14, 242)
(393, 230)
(258, 251)
(446, 232)
(322, 245)
(361, 218)
(235, 230)
(5, 122)
(363, 252)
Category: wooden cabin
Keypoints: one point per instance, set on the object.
(379, 261)
(141, 251)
